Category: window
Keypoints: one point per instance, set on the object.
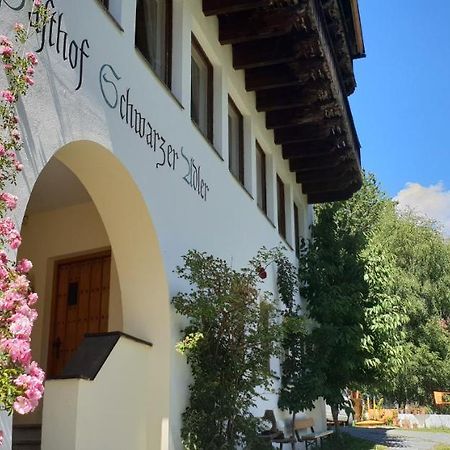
(235, 141)
(153, 35)
(281, 208)
(297, 231)
(201, 90)
(261, 189)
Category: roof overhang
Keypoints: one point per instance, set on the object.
(298, 60)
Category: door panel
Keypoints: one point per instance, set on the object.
(80, 305)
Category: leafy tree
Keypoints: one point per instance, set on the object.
(422, 259)
(228, 343)
(348, 282)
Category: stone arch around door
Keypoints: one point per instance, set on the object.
(138, 409)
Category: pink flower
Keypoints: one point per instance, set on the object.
(8, 66)
(29, 80)
(35, 371)
(32, 298)
(3, 257)
(32, 58)
(2, 150)
(3, 272)
(6, 50)
(30, 70)
(24, 266)
(14, 239)
(9, 200)
(18, 165)
(10, 299)
(37, 2)
(6, 226)
(34, 394)
(8, 96)
(20, 325)
(15, 134)
(18, 350)
(28, 312)
(19, 27)
(21, 284)
(22, 405)
(1, 437)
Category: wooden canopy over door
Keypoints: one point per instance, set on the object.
(80, 305)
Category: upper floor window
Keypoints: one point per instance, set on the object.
(201, 90)
(235, 141)
(281, 208)
(297, 230)
(261, 185)
(153, 34)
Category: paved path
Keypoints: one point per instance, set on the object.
(400, 439)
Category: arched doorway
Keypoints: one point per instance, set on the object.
(84, 207)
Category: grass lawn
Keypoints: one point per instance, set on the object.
(346, 442)
(433, 430)
(442, 447)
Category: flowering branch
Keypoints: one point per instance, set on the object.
(21, 379)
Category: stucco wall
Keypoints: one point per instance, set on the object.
(228, 223)
(47, 237)
(89, 408)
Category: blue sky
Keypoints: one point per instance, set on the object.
(402, 103)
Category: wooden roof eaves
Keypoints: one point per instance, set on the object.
(330, 56)
(358, 30)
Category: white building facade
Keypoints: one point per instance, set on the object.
(143, 140)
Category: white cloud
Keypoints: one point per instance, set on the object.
(432, 201)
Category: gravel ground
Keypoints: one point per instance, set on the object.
(400, 439)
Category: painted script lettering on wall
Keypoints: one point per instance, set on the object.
(166, 154)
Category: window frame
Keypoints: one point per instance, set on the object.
(296, 230)
(261, 172)
(209, 132)
(105, 4)
(240, 176)
(281, 208)
(166, 74)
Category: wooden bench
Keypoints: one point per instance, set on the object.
(301, 433)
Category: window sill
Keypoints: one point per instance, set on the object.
(242, 185)
(216, 151)
(266, 216)
(284, 241)
(161, 82)
(111, 17)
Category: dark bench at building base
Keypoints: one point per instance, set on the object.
(308, 438)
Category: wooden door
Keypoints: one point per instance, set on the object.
(80, 305)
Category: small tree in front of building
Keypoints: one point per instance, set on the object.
(300, 384)
(228, 343)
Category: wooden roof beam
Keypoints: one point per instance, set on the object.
(325, 174)
(267, 52)
(282, 75)
(214, 7)
(299, 116)
(319, 147)
(300, 165)
(308, 132)
(328, 186)
(260, 24)
(312, 96)
(333, 196)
